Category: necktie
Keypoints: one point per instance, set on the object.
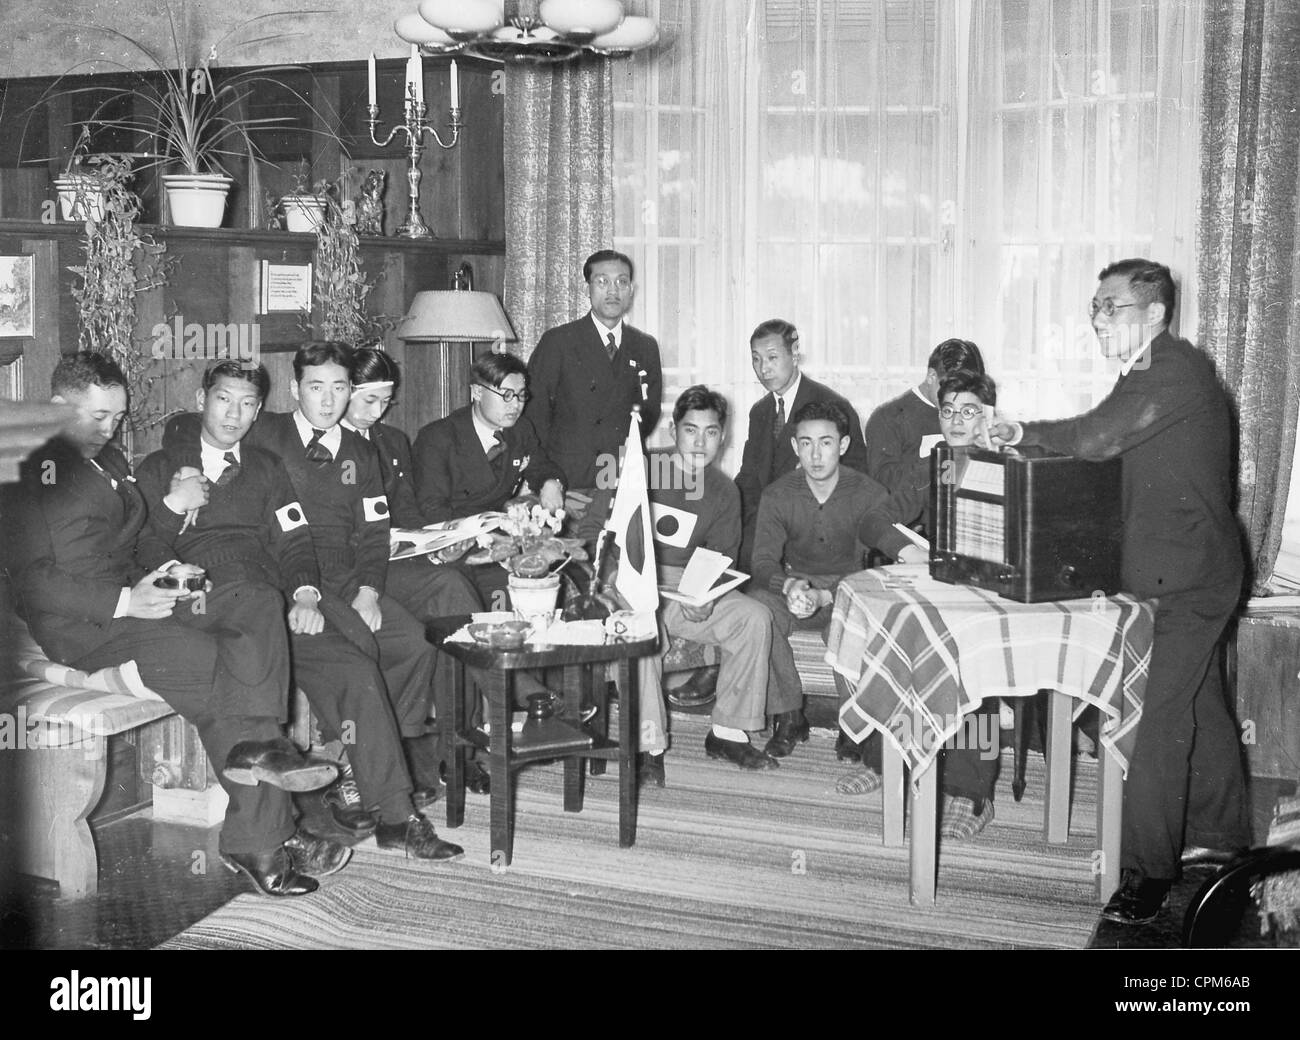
(231, 471)
(316, 451)
(778, 421)
(496, 453)
(611, 347)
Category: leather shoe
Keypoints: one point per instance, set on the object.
(1138, 900)
(846, 750)
(1200, 856)
(478, 779)
(789, 728)
(743, 754)
(316, 856)
(417, 836)
(272, 872)
(278, 763)
(343, 799)
(650, 769)
(700, 689)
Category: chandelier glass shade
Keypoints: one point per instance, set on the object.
(526, 31)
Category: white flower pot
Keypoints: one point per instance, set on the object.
(303, 212)
(197, 199)
(80, 197)
(534, 597)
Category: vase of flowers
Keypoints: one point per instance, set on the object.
(527, 546)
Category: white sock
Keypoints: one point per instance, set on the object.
(739, 736)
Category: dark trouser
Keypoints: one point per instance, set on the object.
(338, 671)
(1186, 782)
(198, 661)
(965, 771)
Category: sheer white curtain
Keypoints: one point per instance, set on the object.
(887, 173)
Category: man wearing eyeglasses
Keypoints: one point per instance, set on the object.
(588, 375)
(480, 456)
(1168, 419)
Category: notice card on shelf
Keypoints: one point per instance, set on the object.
(707, 576)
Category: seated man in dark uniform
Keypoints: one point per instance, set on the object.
(775, 354)
(901, 432)
(423, 587)
(221, 662)
(336, 476)
(254, 527)
(479, 457)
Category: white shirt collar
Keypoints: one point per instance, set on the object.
(917, 390)
(487, 436)
(332, 439)
(1132, 362)
(354, 429)
(604, 332)
(213, 460)
(791, 392)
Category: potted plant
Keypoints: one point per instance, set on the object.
(120, 262)
(303, 207)
(194, 119)
(526, 545)
(80, 191)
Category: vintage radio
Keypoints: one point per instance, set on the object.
(1024, 523)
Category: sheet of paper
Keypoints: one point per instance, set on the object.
(407, 542)
(707, 576)
(912, 537)
(927, 444)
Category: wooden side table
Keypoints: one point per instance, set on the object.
(1264, 676)
(580, 686)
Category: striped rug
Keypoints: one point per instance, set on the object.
(723, 859)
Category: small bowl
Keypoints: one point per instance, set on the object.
(501, 635)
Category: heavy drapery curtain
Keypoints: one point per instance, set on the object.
(1250, 270)
(888, 173)
(559, 181)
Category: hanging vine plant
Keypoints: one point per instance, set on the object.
(120, 261)
(339, 284)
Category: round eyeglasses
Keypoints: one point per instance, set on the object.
(509, 396)
(603, 283)
(966, 411)
(1108, 307)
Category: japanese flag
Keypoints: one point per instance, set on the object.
(629, 519)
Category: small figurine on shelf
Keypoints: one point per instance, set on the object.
(370, 204)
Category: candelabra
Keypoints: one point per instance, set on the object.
(414, 126)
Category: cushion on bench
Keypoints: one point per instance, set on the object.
(70, 705)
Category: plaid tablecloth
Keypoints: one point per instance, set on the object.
(920, 654)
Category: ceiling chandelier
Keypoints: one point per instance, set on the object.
(526, 30)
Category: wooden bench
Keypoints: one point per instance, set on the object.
(55, 725)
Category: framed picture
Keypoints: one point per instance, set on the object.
(286, 288)
(17, 274)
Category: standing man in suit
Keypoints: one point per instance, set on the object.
(476, 459)
(901, 432)
(774, 353)
(1168, 419)
(588, 375)
(221, 662)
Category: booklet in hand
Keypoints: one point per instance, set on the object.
(707, 576)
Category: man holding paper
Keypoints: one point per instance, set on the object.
(695, 509)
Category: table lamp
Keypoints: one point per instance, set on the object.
(455, 316)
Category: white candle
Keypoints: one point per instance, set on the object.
(455, 85)
(409, 90)
(372, 79)
(418, 65)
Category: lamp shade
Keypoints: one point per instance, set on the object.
(451, 315)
